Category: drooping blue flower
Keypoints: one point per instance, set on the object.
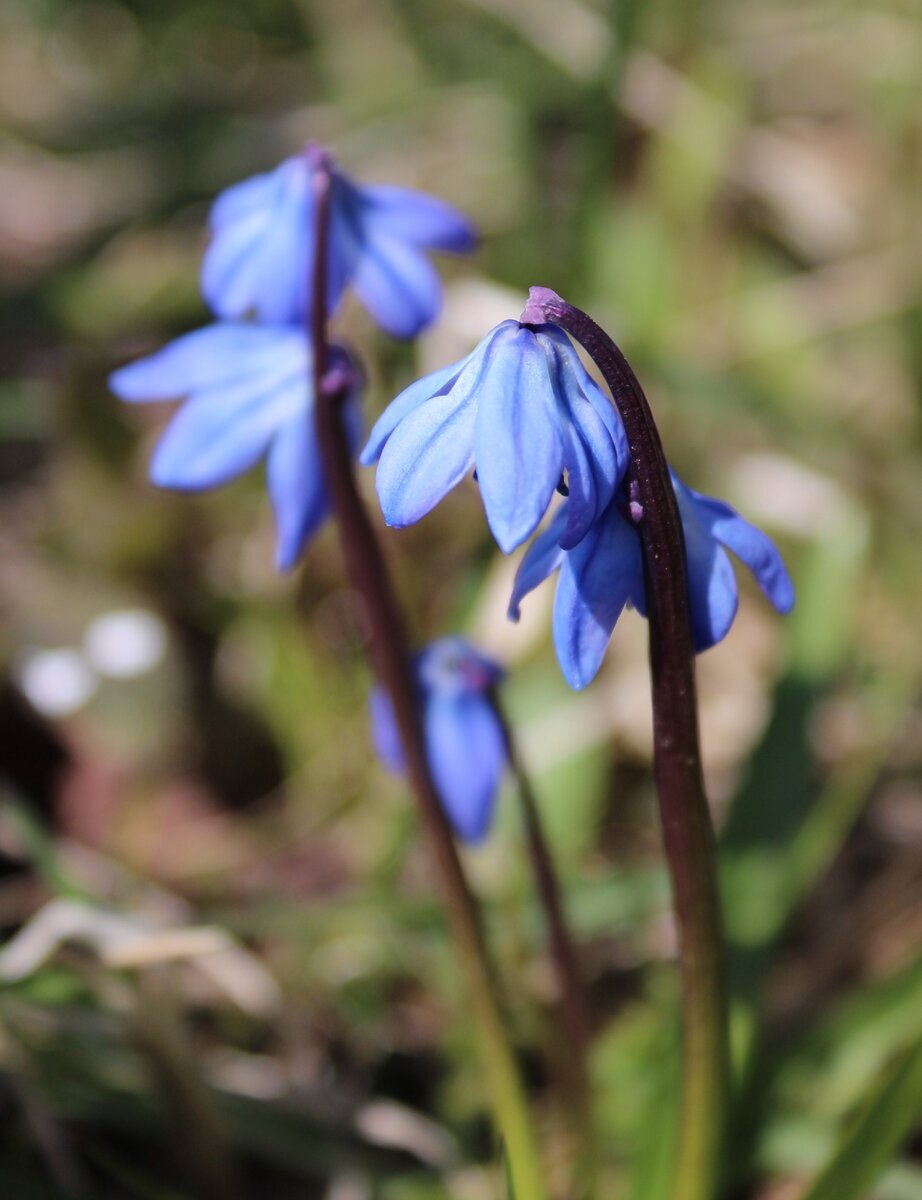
(248, 392)
(522, 410)
(464, 739)
(261, 254)
(604, 572)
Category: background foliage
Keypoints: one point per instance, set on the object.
(226, 970)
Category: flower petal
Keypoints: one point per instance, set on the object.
(712, 587)
(417, 218)
(518, 449)
(467, 756)
(541, 559)
(751, 546)
(222, 432)
(596, 579)
(243, 199)
(406, 402)
(219, 354)
(384, 733)
(430, 451)
(594, 445)
(397, 284)
(259, 258)
(294, 475)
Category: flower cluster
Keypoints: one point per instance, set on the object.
(522, 410)
(465, 744)
(247, 379)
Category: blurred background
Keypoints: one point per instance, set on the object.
(225, 970)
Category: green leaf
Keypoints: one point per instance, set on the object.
(886, 1122)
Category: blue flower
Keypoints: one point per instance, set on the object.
(249, 393)
(262, 248)
(605, 572)
(464, 739)
(522, 410)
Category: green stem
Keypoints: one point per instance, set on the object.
(688, 836)
(367, 571)
(572, 1048)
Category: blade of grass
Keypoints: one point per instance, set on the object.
(887, 1121)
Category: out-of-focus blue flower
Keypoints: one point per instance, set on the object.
(522, 410)
(464, 739)
(249, 392)
(604, 572)
(260, 258)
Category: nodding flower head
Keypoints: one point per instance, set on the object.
(260, 257)
(465, 745)
(248, 392)
(521, 410)
(605, 572)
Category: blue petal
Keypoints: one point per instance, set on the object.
(518, 448)
(541, 559)
(224, 353)
(260, 255)
(297, 489)
(384, 733)
(467, 755)
(751, 546)
(243, 199)
(398, 285)
(451, 665)
(712, 587)
(596, 580)
(595, 446)
(417, 218)
(406, 402)
(222, 432)
(430, 451)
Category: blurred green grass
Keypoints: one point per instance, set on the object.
(732, 189)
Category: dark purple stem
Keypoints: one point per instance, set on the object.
(367, 571)
(688, 835)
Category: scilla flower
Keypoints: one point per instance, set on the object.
(262, 247)
(464, 738)
(249, 393)
(605, 572)
(522, 410)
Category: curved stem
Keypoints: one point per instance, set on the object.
(367, 571)
(688, 835)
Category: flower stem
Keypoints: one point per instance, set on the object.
(573, 1048)
(367, 571)
(688, 835)
(574, 1018)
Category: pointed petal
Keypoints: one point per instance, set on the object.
(430, 451)
(224, 353)
(518, 448)
(714, 596)
(541, 559)
(595, 448)
(397, 284)
(467, 757)
(384, 733)
(242, 199)
(417, 218)
(408, 401)
(751, 546)
(259, 258)
(596, 580)
(221, 433)
(711, 583)
(294, 475)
